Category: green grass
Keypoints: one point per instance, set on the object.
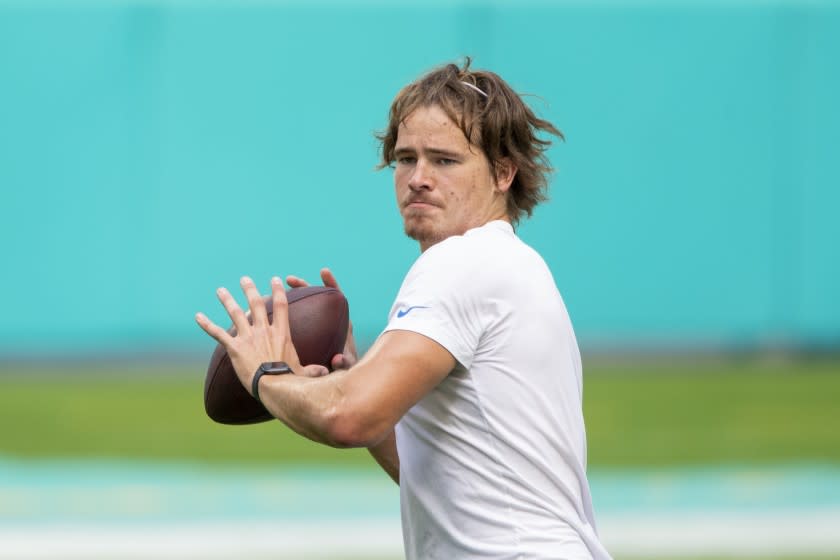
(659, 414)
(713, 412)
(145, 413)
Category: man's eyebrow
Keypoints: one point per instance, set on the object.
(442, 152)
(430, 151)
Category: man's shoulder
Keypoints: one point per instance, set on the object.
(493, 247)
(477, 243)
(485, 256)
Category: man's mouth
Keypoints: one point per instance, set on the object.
(420, 204)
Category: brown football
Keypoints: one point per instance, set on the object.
(318, 318)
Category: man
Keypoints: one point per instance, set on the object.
(471, 398)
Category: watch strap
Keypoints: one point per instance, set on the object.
(267, 368)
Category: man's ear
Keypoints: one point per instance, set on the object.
(505, 172)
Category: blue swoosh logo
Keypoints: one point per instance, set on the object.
(404, 312)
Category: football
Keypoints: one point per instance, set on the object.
(318, 318)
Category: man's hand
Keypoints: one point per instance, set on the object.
(349, 357)
(355, 407)
(261, 341)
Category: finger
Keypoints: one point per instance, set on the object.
(341, 361)
(313, 371)
(350, 341)
(346, 359)
(214, 330)
(235, 312)
(281, 334)
(329, 279)
(337, 362)
(280, 312)
(255, 302)
(295, 282)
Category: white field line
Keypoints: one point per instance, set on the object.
(263, 540)
(725, 535)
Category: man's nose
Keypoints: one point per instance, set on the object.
(422, 176)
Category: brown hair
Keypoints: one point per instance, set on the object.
(506, 127)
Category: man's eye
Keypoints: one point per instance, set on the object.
(446, 161)
(405, 160)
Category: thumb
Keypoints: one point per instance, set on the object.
(343, 361)
(313, 370)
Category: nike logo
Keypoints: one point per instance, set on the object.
(404, 312)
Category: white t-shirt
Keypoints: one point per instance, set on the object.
(493, 460)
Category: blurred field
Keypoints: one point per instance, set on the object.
(641, 415)
(653, 414)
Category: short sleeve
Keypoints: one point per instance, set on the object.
(439, 299)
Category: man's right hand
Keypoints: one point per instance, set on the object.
(349, 357)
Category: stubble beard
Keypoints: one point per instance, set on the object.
(422, 230)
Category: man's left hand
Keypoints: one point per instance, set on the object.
(258, 341)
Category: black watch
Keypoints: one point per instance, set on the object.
(267, 368)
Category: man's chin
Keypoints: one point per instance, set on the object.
(421, 232)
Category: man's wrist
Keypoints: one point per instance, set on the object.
(267, 368)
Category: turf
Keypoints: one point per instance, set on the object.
(713, 412)
(637, 414)
(143, 412)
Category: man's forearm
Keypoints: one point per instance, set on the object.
(359, 407)
(386, 455)
(339, 409)
(305, 404)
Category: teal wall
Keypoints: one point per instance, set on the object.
(151, 151)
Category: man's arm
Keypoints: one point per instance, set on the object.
(358, 407)
(386, 455)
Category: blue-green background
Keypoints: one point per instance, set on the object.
(151, 151)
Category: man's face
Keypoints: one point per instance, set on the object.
(443, 183)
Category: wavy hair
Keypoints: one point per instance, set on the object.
(492, 117)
